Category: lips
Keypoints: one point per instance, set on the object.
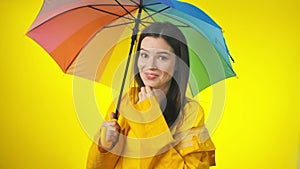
(151, 76)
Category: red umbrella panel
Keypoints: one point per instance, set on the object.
(65, 36)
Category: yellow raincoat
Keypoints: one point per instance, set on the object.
(146, 141)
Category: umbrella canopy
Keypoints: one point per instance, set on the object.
(83, 37)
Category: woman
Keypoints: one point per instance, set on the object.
(158, 127)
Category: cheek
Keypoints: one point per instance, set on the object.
(140, 65)
(168, 69)
(166, 76)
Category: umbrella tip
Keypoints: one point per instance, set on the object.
(223, 31)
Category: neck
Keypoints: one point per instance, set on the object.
(166, 88)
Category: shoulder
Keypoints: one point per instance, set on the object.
(191, 107)
(193, 115)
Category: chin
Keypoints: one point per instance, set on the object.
(150, 85)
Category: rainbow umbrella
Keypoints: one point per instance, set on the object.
(83, 36)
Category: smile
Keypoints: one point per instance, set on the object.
(151, 76)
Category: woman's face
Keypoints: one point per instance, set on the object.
(156, 63)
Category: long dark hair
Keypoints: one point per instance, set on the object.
(176, 95)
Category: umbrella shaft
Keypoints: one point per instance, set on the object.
(133, 40)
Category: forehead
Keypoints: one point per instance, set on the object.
(156, 44)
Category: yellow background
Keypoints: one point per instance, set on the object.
(260, 124)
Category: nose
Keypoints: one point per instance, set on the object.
(152, 63)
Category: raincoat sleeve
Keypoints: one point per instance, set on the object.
(97, 160)
(108, 160)
(194, 148)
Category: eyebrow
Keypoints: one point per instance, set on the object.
(159, 52)
(163, 52)
(144, 49)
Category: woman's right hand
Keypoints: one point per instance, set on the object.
(147, 92)
(109, 133)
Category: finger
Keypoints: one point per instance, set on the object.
(149, 91)
(109, 137)
(112, 137)
(117, 127)
(112, 124)
(112, 115)
(143, 90)
(113, 127)
(105, 124)
(113, 134)
(140, 96)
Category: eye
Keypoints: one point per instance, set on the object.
(144, 55)
(163, 57)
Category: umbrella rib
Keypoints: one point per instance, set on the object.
(158, 3)
(92, 7)
(134, 2)
(224, 48)
(147, 22)
(142, 23)
(149, 14)
(159, 12)
(182, 26)
(125, 9)
(156, 12)
(121, 24)
(111, 5)
(121, 16)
